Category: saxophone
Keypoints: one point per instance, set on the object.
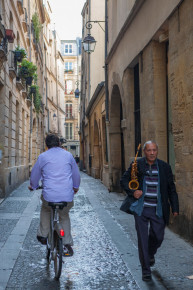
(134, 184)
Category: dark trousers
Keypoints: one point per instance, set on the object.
(150, 233)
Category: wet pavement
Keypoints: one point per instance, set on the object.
(105, 246)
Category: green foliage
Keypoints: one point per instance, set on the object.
(35, 78)
(22, 52)
(37, 26)
(27, 69)
(34, 92)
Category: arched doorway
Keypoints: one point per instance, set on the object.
(96, 153)
(117, 160)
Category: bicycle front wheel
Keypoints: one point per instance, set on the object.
(58, 253)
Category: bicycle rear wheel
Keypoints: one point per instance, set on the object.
(58, 253)
(48, 253)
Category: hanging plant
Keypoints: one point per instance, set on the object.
(34, 91)
(20, 54)
(37, 102)
(36, 25)
(26, 69)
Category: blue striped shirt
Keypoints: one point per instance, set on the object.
(151, 188)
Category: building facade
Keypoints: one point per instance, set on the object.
(150, 91)
(93, 155)
(26, 103)
(21, 117)
(71, 53)
(53, 78)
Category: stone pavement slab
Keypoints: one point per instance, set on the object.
(174, 260)
(18, 212)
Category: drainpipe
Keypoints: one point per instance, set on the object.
(31, 109)
(56, 74)
(106, 84)
(89, 85)
(106, 65)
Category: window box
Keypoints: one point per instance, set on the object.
(10, 35)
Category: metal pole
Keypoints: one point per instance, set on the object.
(56, 71)
(31, 109)
(106, 80)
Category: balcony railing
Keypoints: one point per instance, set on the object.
(2, 30)
(69, 92)
(3, 51)
(69, 117)
(3, 48)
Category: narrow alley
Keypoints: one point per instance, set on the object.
(105, 247)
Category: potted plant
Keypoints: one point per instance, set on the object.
(34, 89)
(27, 69)
(20, 54)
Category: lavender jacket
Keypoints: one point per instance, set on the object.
(58, 172)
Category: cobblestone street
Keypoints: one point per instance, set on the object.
(104, 244)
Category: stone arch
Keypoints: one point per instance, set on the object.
(116, 139)
(116, 81)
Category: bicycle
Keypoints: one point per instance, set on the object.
(54, 241)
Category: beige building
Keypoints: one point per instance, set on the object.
(71, 52)
(21, 127)
(150, 90)
(28, 100)
(93, 125)
(53, 78)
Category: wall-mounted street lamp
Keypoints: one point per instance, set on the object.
(89, 42)
(89, 45)
(77, 92)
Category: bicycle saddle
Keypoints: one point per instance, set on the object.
(60, 205)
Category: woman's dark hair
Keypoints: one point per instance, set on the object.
(52, 141)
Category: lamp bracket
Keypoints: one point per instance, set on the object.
(88, 24)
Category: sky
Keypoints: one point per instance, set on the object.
(66, 14)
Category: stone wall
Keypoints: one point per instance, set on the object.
(181, 87)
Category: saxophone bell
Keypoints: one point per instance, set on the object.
(133, 183)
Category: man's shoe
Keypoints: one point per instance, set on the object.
(146, 277)
(42, 240)
(152, 262)
(68, 251)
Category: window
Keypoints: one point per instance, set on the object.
(68, 110)
(69, 131)
(68, 66)
(68, 87)
(68, 48)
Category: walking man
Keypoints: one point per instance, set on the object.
(60, 179)
(152, 202)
